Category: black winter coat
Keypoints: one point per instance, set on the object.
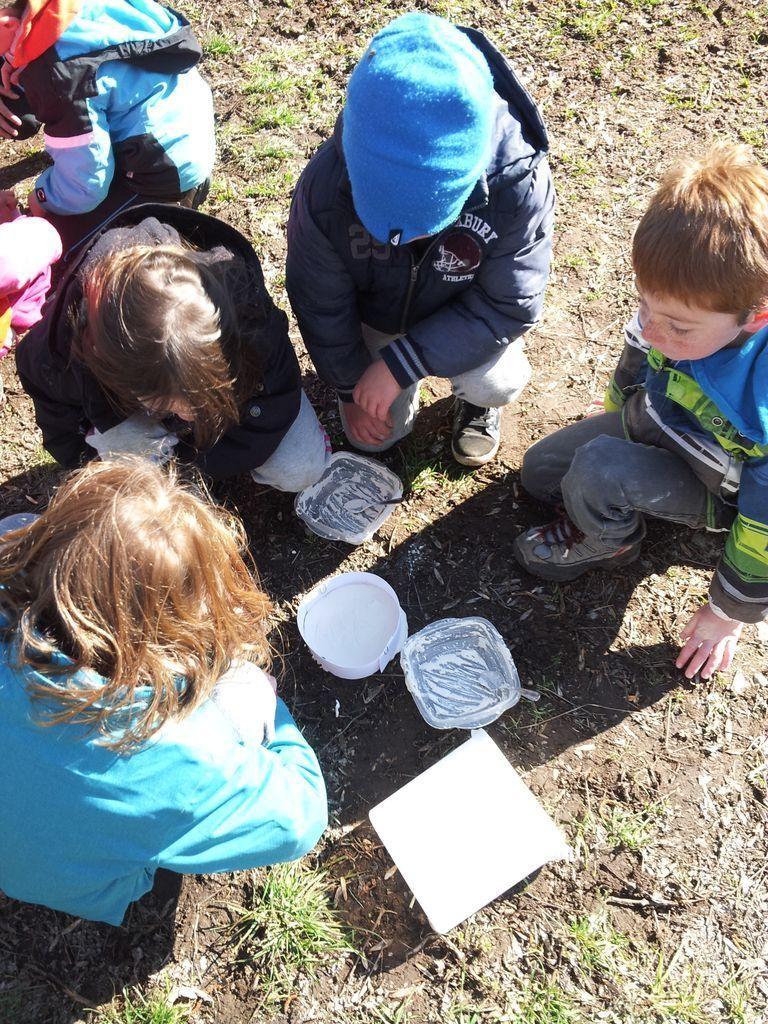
(69, 400)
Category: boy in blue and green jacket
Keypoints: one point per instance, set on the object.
(685, 433)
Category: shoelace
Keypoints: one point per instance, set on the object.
(477, 417)
(561, 531)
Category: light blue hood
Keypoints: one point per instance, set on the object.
(103, 23)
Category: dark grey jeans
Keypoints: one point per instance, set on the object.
(609, 484)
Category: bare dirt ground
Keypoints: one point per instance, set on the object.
(660, 785)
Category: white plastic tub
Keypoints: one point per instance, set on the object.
(353, 624)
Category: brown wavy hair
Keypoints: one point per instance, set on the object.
(158, 323)
(704, 237)
(139, 579)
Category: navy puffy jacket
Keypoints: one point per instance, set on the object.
(479, 284)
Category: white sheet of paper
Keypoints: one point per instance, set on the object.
(465, 831)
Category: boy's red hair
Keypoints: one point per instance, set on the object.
(704, 238)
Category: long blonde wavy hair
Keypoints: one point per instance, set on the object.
(139, 579)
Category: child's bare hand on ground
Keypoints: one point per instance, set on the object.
(364, 428)
(710, 643)
(376, 391)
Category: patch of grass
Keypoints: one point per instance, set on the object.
(544, 1002)
(222, 192)
(680, 101)
(454, 10)
(601, 949)
(266, 81)
(630, 829)
(574, 261)
(424, 470)
(191, 10)
(218, 45)
(677, 1000)
(683, 100)
(436, 477)
(757, 776)
(137, 1008)
(588, 20)
(391, 1014)
(755, 136)
(269, 151)
(275, 115)
(735, 999)
(287, 928)
(275, 185)
(577, 166)
(41, 458)
(463, 1014)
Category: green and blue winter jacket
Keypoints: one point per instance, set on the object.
(120, 97)
(712, 412)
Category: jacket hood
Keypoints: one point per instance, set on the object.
(78, 28)
(520, 138)
(736, 379)
(199, 229)
(43, 24)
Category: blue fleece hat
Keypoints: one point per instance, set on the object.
(417, 127)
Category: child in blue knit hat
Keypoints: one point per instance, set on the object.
(420, 235)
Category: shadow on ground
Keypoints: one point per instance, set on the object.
(44, 954)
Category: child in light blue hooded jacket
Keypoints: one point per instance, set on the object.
(125, 111)
(138, 726)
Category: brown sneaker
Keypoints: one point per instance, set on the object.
(560, 551)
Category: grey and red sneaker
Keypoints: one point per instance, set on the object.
(476, 433)
(560, 551)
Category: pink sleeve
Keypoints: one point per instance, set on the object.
(28, 246)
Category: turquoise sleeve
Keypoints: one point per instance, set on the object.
(83, 165)
(268, 804)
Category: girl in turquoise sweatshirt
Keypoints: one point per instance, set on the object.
(138, 725)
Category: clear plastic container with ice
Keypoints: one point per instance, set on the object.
(461, 674)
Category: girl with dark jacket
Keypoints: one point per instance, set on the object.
(163, 338)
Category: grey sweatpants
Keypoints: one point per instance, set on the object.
(492, 385)
(608, 484)
(301, 457)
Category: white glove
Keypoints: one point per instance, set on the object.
(247, 697)
(138, 435)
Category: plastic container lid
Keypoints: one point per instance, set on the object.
(461, 674)
(17, 521)
(465, 831)
(351, 500)
(353, 624)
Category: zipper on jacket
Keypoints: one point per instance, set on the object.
(415, 268)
